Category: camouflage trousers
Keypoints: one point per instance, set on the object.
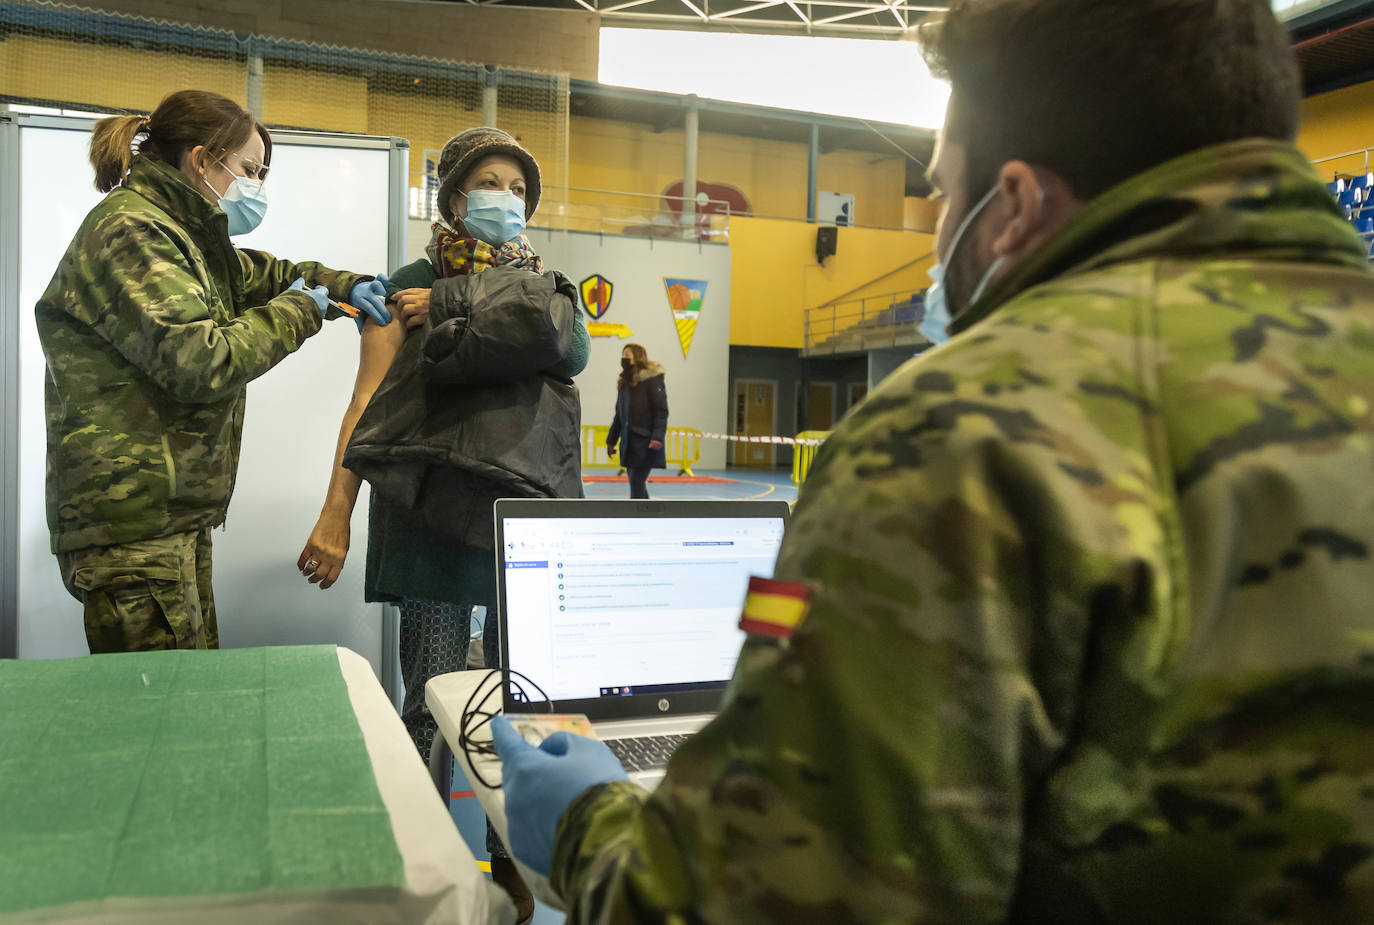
(151, 594)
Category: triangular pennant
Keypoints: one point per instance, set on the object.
(684, 299)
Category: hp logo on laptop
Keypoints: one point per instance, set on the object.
(663, 705)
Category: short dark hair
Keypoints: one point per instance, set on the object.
(1100, 90)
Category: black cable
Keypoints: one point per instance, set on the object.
(474, 719)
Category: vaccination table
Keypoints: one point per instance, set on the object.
(447, 696)
(246, 785)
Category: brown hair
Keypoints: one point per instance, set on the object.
(640, 358)
(1101, 91)
(181, 121)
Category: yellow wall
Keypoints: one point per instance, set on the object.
(774, 277)
(1337, 122)
(303, 97)
(542, 40)
(920, 214)
(310, 98)
(40, 68)
(603, 155)
(610, 155)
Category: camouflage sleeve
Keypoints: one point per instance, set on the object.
(144, 300)
(265, 277)
(958, 529)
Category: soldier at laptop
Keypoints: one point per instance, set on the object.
(1090, 634)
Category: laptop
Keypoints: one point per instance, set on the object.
(628, 611)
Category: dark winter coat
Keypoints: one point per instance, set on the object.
(468, 412)
(641, 415)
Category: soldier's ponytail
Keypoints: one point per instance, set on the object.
(112, 149)
(181, 121)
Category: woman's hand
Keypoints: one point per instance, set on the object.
(412, 306)
(322, 559)
(655, 444)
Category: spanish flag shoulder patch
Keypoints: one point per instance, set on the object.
(774, 608)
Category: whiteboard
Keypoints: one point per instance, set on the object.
(329, 200)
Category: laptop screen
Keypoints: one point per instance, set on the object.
(612, 608)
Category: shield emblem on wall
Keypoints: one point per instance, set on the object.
(596, 295)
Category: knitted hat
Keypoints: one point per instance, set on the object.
(464, 150)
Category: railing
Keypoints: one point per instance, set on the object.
(804, 454)
(856, 325)
(1349, 164)
(605, 212)
(681, 446)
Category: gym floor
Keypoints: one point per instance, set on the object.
(716, 485)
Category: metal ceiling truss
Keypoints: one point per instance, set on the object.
(891, 18)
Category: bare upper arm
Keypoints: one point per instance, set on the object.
(380, 344)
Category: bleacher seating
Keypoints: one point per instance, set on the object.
(1354, 195)
(895, 324)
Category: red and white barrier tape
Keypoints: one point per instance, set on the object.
(781, 441)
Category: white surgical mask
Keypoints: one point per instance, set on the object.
(494, 216)
(244, 201)
(935, 326)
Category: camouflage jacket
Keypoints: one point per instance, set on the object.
(152, 326)
(1093, 630)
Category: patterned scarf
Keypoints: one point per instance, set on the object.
(454, 255)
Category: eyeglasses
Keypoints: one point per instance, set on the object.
(251, 168)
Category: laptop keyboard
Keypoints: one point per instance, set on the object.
(645, 753)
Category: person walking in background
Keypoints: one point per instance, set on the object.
(152, 327)
(641, 418)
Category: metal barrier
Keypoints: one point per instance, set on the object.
(803, 454)
(594, 455)
(681, 445)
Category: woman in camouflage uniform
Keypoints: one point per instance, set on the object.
(152, 326)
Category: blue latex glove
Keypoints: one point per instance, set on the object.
(370, 297)
(318, 293)
(541, 783)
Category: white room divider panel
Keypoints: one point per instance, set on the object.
(336, 199)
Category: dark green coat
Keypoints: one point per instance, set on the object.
(152, 326)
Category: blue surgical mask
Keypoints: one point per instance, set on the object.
(494, 216)
(245, 202)
(935, 326)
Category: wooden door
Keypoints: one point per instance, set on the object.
(754, 417)
(857, 391)
(820, 406)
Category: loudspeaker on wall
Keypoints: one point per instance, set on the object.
(826, 241)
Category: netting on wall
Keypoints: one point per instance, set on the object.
(55, 55)
(534, 108)
(62, 56)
